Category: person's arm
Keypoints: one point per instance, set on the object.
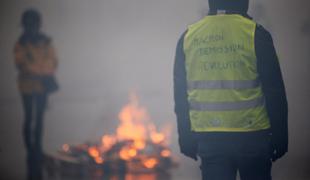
(23, 58)
(50, 65)
(187, 142)
(19, 57)
(273, 89)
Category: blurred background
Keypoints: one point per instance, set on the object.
(108, 48)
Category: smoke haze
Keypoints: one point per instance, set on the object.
(107, 48)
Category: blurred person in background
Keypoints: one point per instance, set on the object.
(36, 62)
(230, 99)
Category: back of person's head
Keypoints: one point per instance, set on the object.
(231, 5)
(31, 19)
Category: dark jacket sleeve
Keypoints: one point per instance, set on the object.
(273, 87)
(180, 92)
(187, 141)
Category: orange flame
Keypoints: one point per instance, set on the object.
(137, 137)
(133, 118)
(150, 163)
(134, 126)
(99, 160)
(127, 153)
(66, 147)
(93, 152)
(157, 137)
(132, 152)
(107, 142)
(165, 153)
(139, 144)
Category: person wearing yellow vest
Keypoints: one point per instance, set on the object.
(230, 99)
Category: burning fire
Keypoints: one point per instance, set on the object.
(137, 146)
(150, 163)
(93, 152)
(136, 139)
(165, 153)
(66, 147)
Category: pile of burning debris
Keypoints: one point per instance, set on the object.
(136, 147)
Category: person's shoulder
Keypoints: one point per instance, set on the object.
(18, 45)
(262, 34)
(22, 40)
(45, 39)
(197, 23)
(181, 39)
(183, 34)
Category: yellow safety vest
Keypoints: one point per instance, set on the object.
(224, 91)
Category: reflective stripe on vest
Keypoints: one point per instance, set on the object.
(227, 106)
(221, 84)
(224, 91)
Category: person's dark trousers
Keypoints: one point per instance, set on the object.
(225, 154)
(34, 107)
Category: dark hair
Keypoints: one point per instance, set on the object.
(31, 17)
(232, 5)
(31, 22)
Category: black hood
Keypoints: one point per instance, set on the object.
(241, 6)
